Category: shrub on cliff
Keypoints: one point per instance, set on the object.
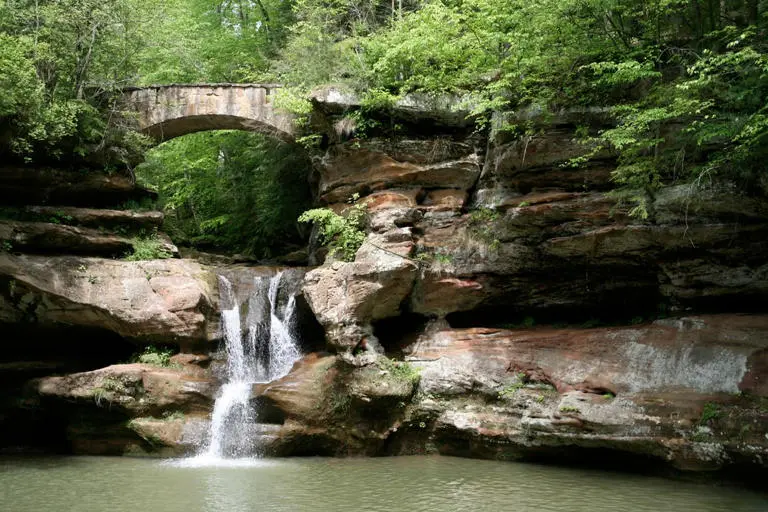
(342, 234)
(148, 247)
(153, 355)
(684, 81)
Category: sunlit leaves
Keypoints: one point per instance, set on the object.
(342, 233)
(22, 92)
(234, 190)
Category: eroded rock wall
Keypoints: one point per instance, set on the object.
(490, 232)
(72, 306)
(492, 268)
(502, 306)
(684, 391)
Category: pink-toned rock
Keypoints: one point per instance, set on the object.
(333, 408)
(702, 355)
(347, 297)
(138, 389)
(160, 301)
(641, 389)
(129, 409)
(446, 199)
(439, 295)
(347, 171)
(678, 391)
(392, 199)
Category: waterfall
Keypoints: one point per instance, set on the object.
(262, 350)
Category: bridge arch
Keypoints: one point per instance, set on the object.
(169, 111)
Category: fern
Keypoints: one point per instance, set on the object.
(342, 234)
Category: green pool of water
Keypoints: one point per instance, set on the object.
(410, 484)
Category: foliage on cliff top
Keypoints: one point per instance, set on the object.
(60, 62)
(685, 80)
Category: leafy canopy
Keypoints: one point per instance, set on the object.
(230, 190)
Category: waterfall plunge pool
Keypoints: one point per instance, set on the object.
(97, 484)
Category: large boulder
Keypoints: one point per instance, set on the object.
(326, 406)
(126, 409)
(400, 180)
(347, 297)
(158, 301)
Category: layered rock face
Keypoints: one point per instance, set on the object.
(491, 237)
(684, 391)
(488, 266)
(502, 306)
(52, 273)
(68, 308)
(681, 390)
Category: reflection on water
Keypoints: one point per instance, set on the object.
(85, 484)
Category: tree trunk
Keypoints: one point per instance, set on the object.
(753, 12)
(83, 63)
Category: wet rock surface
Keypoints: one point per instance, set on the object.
(678, 391)
(674, 390)
(531, 240)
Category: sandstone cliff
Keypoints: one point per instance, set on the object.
(502, 306)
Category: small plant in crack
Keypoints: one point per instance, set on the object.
(710, 412)
(510, 390)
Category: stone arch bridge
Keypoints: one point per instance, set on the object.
(168, 111)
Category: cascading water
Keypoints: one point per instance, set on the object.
(265, 351)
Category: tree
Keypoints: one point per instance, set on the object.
(233, 191)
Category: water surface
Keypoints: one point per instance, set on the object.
(414, 484)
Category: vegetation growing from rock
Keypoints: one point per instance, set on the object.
(110, 388)
(683, 80)
(399, 369)
(343, 234)
(148, 247)
(155, 356)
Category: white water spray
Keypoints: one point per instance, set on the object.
(266, 351)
